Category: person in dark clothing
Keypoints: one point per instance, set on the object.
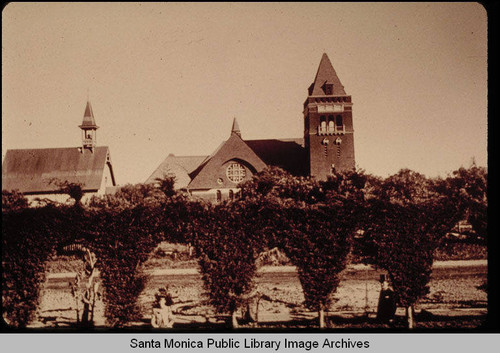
(386, 303)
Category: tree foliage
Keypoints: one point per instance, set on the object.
(312, 222)
(29, 237)
(405, 219)
(468, 186)
(126, 227)
(13, 200)
(227, 246)
(121, 229)
(124, 244)
(73, 190)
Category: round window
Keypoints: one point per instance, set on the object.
(235, 172)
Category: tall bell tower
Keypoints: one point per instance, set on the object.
(328, 129)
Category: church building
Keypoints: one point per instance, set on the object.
(327, 145)
(38, 173)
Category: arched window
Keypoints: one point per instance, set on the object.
(322, 124)
(231, 195)
(331, 124)
(340, 123)
(219, 196)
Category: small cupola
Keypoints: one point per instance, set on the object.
(89, 129)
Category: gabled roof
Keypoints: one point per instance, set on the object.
(233, 149)
(288, 154)
(326, 74)
(179, 166)
(33, 171)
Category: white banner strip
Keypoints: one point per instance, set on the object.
(249, 342)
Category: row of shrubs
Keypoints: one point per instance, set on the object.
(397, 223)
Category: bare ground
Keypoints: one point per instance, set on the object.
(453, 301)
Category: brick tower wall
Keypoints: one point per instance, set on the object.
(339, 151)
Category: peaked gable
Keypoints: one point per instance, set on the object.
(212, 173)
(179, 166)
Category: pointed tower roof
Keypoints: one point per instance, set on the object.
(326, 75)
(236, 128)
(88, 118)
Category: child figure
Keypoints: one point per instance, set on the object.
(162, 310)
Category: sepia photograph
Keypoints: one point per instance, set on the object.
(233, 167)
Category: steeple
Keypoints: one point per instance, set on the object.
(326, 82)
(235, 129)
(89, 128)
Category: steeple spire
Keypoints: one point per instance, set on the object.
(326, 82)
(89, 128)
(235, 129)
(88, 118)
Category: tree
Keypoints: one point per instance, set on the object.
(469, 187)
(13, 200)
(312, 222)
(405, 220)
(227, 249)
(125, 228)
(122, 242)
(129, 196)
(166, 185)
(29, 237)
(318, 243)
(74, 190)
(121, 229)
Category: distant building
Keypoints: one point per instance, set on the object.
(327, 145)
(38, 173)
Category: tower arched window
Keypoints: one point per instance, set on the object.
(331, 124)
(219, 196)
(231, 195)
(322, 124)
(339, 122)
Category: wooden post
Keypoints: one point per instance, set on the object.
(234, 321)
(366, 299)
(409, 316)
(257, 311)
(322, 318)
(75, 290)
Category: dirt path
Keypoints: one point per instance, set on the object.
(453, 290)
(277, 269)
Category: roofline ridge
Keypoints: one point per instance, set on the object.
(184, 156)
(280, 139)
(49, 148)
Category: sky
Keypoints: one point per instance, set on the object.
(170, 77)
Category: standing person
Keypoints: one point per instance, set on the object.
(386, 303)
(163, 316)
